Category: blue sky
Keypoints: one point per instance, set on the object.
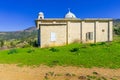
(20, 14)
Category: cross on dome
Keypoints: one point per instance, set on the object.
(70, 14)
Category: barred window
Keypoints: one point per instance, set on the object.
(89, 36)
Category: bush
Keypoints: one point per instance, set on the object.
(12, 51)
(30, 51)
(74, 50)
(12, 44)
(53, 49)
(102, 43)
(33, 43)
(26, 46)
(92, 44)
(117, 31)
(1, 43)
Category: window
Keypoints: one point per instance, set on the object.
(53, 36)
(103, 30)
(89, 36)
(40, 17)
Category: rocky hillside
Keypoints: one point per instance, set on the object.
(30, 32)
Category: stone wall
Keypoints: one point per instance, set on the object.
(69, 31)
(60, 35)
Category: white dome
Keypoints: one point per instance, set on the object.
(41, 15)
(70, 15)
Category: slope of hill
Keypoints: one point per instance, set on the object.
(13, 39)
(30, 29)
(30, 32)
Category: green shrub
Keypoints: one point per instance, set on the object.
(74, 50)
(2, 43)
(26, 46)
(30, 51)
(102, 43)
(117, 31)
(53, 49)
(93, 44)
(12, 51)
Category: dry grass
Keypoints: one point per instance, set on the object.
(13, 72)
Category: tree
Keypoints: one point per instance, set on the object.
(1, 43)
(12, 44)
(117, 31)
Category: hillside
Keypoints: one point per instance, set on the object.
(30, 32)
(24, 38)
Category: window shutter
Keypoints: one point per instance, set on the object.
(91, 35)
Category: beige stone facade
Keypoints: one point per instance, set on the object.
(57, 32)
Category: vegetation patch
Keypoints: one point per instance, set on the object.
(54, 49)
(74, 50)
(93, 44)
(31, 51)
(71, 76)
(105, 55)
(12, 51)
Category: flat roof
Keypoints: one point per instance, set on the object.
(75, 19)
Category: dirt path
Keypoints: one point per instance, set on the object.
(13, 72)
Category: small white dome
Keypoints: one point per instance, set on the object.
(41, 15)
(70, 15)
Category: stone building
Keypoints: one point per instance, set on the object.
(62, 31)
